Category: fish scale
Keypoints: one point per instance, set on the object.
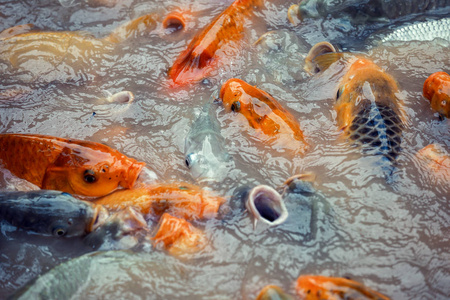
(377, 128)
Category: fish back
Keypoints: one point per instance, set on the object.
(28, 156)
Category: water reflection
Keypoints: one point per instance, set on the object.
(394, 238)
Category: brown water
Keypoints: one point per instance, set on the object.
(394, 237)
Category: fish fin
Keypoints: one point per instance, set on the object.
(55, 179)
(324, 61)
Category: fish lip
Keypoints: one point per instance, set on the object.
(132, 175)
(101, 214)
(274, 196)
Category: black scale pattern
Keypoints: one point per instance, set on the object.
(378, 129)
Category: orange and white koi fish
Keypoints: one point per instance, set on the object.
(181, 199)
(178, 236)
(72, 166)
(264, 113)
(437, 90)
(310, 287)
(201, 54)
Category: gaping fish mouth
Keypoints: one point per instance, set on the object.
(131, 175)
(266, 205)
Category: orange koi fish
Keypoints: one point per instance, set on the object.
(437, 89)
(368, 110)
(310, 287)
(178, 236)
(72, 166)
(198, 59)
(62, 55)
(263, 113)
(437, 159)
(182, 199)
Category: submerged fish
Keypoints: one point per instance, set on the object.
(368, 110)
(265, 114)
(72, 166)
(62, 56)
(182, 199)
(427, 30)
(51, 213)
(205, 152)
(273, 292)
(361, 11)
(311, 287)
(178, 236)
(437, 160)
(202, 52)
(266, 205)
(437, 90)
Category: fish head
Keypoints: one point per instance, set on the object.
(206, 165)
(254, 104)
(323, 287)
(60, 215)
(95, 170)
(437, 90)
(266, 205)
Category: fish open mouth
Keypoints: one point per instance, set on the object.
(266, 205)
(132, 174)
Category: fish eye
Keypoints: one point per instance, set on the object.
(59, 231)
(89, 176)
(339, 92)
(236, 106)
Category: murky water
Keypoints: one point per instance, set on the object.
(393, 237)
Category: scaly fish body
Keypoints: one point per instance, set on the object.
(205, 153)
(419, 31)
(360, 11)
(264, 113)
(311, 287)
(368, 110)
(178, 236)
(72, 166)
(51, 213)
(183, 200)
(197, 60)
(437, 90)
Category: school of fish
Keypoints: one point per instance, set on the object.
(91, 191)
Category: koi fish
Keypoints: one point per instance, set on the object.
(368, 110)
(263, 113)
(273, 292)
(182, 199)
(201, 54)
(437, 90)
(72, 166)
(437, 160)
(310, 287)
(178, 236)
(362, 11)
(205, 153)
(51, 213)
(62, 56)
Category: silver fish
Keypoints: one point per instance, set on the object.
(52, 213)
(266, 205)
(418, 31)
(205, 152)
(361, 11)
